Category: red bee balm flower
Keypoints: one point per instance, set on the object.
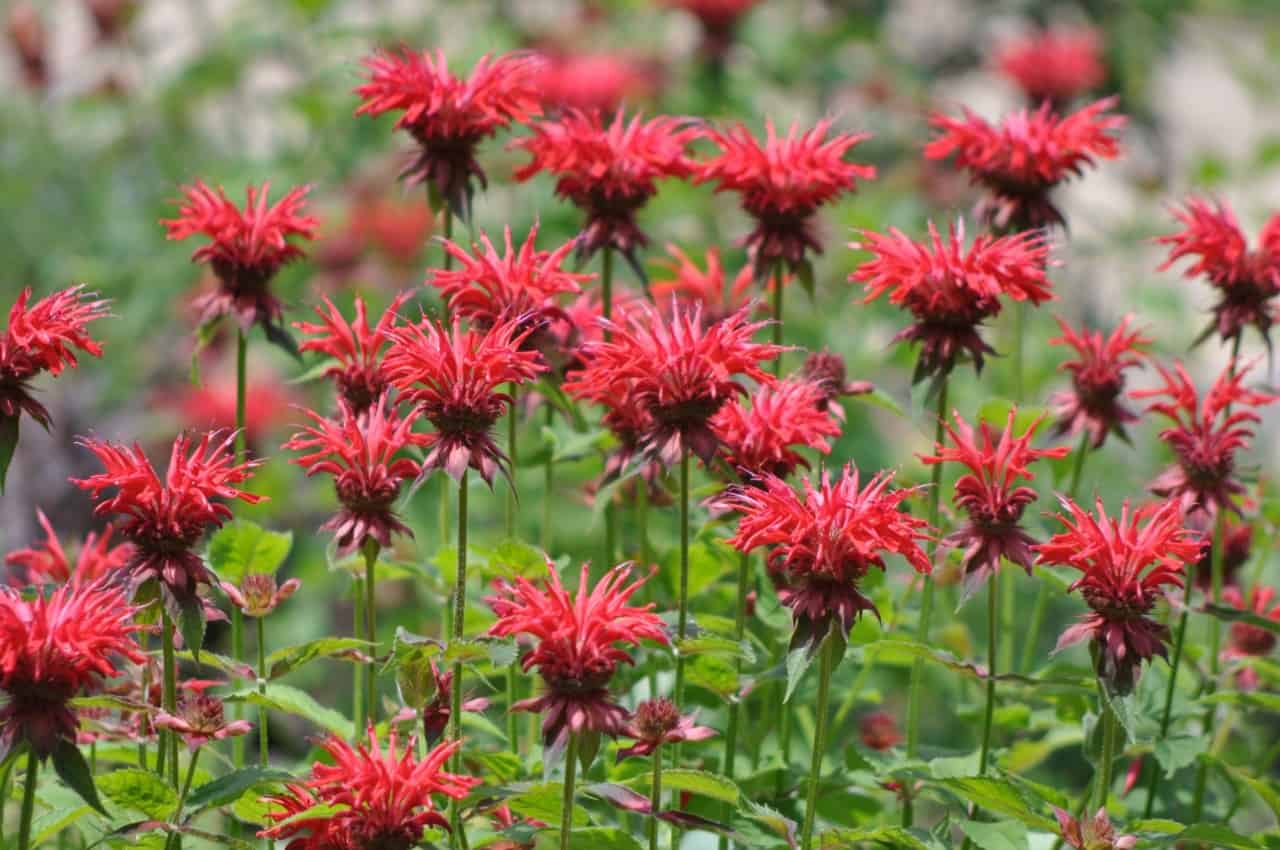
(678, 370)
(55, 648)
(828, 373)
(378, 801)
(1023, 158)
(609, 171)
(1094, 833)
(257, 594)
(201, 719)
(691, 286)
(48, 561)
(951, 291)
(164, 519)
(1246, 640)
(1095, 402)
(356, 347)
(454, 377)
(824, 542)
(1205, 435)
(758, 439)
(781, 183)
(879, 731)
(580, 641)
(991, 494)
(246, 248)
(437, 710)
(363, 453)
(1126, 563)
(449, 116)
(1247, 281)
(43, 337)
(1056, 65)
(657, 722)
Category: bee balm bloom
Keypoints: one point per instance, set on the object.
(658, 721)
(356, 348)
(48, 562)
(1054, 65)
(1095, 402)
(761, 438)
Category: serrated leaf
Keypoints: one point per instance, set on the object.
(887, 647)
(999, 797)
(773, 820)
(285, 661)
(881, 399)
(251, 808)
(191, 624)
(602, 838)
(886, 836)
(140, 791)
(715, 674)
(1002, 835)
(512, 559)
(242, 548)
(8, 445)
(290, 700)
(544, 801)
(49, 824)
(226, 789)
(1217, 836)
(700, 782)
(1178, 751)
(73, 770)
(712, 644)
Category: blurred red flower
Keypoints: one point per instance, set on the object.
(1021, 159)
(1245, 640)
(48, 562)
(951, 290)
(246, 248)
(453, 376)
(991, 493)
(827, 371)
(364, 452)
(211, 405)
(824, 542)
(42, 337)
(879, 731)
(165, 518)
(580, 645)
(1205, 435)
(448, 115)
(1126, 563)
(1238, 539)
(691, 286)
(761, 438)
(781, 182)
(719, 19)
(593, 81)
(356, 348)
(1095, 402)
(609, 170)
(54, 648)
(1247, 281)
(658, 721)
(1055, 65)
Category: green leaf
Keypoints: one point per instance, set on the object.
(1253, 699)
(602, 838)
(1002, 835)
(887, 836)
(139, 791)
(73, 770)
(251, 808)
(881, 399)
(242, 548)
(512, 559)
(1178, 751)
(285, 661)
(544, 801)
(8, 445)
(50, 823)
(1158, 826)
(700, 782)
(772, 820)
(804, 274)
(715, 674)
(886, 648)
(722, 646)
(315, 373)
(1000, 797)
(191, 624)
(1234, 615)
(299, 703)
(1217, 836)
(227, 789)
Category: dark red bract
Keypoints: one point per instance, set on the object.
(1095, 402)
(356, 348)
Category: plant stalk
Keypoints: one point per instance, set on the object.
(826, 666)
(169, 740)
(264, 744)
(28, 801)
(682, 618)
(655, 798)
(566, 803)
(371, 550)
(993, 633)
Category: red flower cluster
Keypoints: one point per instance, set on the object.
(1205, 435)
(1054, 65)
(1095, 402)
(373, 799)
(825, 542)
(42, 337)
(1245, 640)
(449, 116)
(246, 248)
(453, 377)
(1023, 158)
(1126, 563)
(1247, 281)
(580, 645)
(165, 518)
(609, 171)
(691, 286)
(951, 290)
(1094, 833)
(991, 493)
(781, 183)
(356, 347)
(47, 562)
(364, 454)
(658, 721)
(760, 439)
(678, 370)
(53, 649)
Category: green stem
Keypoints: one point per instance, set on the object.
(646, 560)
(6, 774)
(264, 745)
(241, 448)
(513, 417)
(993, 632)
(1019, 334)
(739, 632)
(926, 604)
(682, 618)
(169, 740)
(447, 217)
(28, 801)
(548, 486)
(566, 803)
(1215, 647)
(513, 725)
(777, 317)
(825, 668)
(655, 798)
(174, 836)
(371, 550)
(1107, 719)
(357, 670)
(459, 614)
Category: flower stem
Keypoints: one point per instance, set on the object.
(1016, 360)
(28, 801)
(548, 485)
(655, 798)
(357, 670)
(1215, 641)
(777, 317)
(169, 740)
(242, 451)
(735, 706)
(459, 614)
(682, 618)
(566, 803)
(447, 227)
(993, 633)
(174, 836)
(513, 417)
(1108, 721)
(826, 666)
(926, 603)
(371, 550)
(6, 773)
(264, 745)
(646, 558)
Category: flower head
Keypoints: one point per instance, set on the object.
(658, 721)
(165, 518)
(201, 719)
(1245, 639)
(1205, 434)
(48, 562)
(581, 640)
(608, 169)
(1237, 540)
(1094, 833)
(356, 349)
(782, 182)
(951, 290)
(761, 439)
(1021, 159)
(596, 80)
(827, 372)
(364, 452)
(54, 648)
(1054, 65)
(246, 247)
(453, 377)
(437, 710)
(447, 115)
(1095, 402)
(258, 594)
(1126, 563)
(43, 337)
(1247, 281)
(993, 493)
(824, 541)
(678, 370)
(691, 286)
(879, 731)
(383, 800)
(719, 20)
